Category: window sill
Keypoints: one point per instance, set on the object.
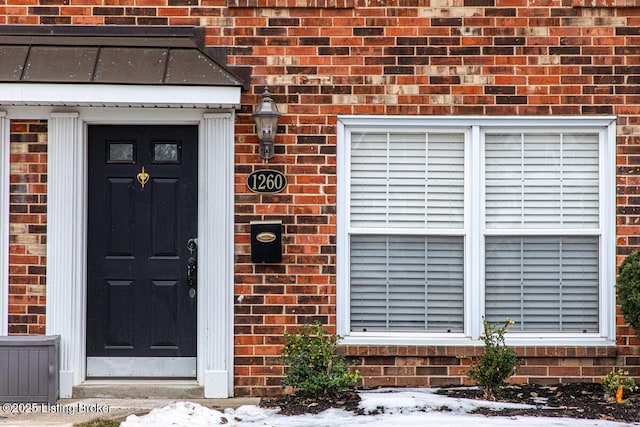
(520, 340)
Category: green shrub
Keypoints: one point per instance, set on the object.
(313, 364)
(497, 363)
(629, 290)
(615, 379)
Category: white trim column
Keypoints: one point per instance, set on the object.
(5, 165)
(66, 246)
(215, 250)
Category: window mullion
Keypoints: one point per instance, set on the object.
(522, 182)
(474, 226)
(426, 179)
(388, 173)
(561, 184)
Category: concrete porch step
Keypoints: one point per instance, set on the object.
(139, 390)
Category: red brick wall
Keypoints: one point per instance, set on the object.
(486, 58)
(450, 57)
(433, 366)
(27, 227)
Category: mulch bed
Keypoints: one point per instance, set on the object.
(297, 404)
(574, 400)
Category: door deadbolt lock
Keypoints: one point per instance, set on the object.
(192, 272)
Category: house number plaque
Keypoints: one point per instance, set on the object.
(266, 181)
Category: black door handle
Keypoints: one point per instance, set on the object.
(192, 272)
(192, 245)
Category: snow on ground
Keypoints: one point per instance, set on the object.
(402, 407)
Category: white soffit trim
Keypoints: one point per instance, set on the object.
(101, 95)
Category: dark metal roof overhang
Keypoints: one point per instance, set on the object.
(83, 65)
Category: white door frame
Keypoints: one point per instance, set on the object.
(67, 237)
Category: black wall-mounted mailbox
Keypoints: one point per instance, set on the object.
(266, 241)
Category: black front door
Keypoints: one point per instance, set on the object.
(142, 250)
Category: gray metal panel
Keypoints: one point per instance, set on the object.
(193, 67)
(53, 375)
(29, 368)
(139, 367)
(151, 31)
(12, 63)
(4, 367)
(131, 65)
(60, 64)
(111, 55)
(28, 340)
(89, 40)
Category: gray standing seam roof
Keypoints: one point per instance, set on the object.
(111, 55)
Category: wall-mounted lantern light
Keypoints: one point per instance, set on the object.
(266, 116)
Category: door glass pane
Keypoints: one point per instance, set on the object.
(166, 152)
(121, 152)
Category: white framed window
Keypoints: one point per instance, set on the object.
(444, 221)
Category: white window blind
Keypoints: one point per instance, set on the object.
(407, 283)
(407, 180)
(544, 284)
(542, 180)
